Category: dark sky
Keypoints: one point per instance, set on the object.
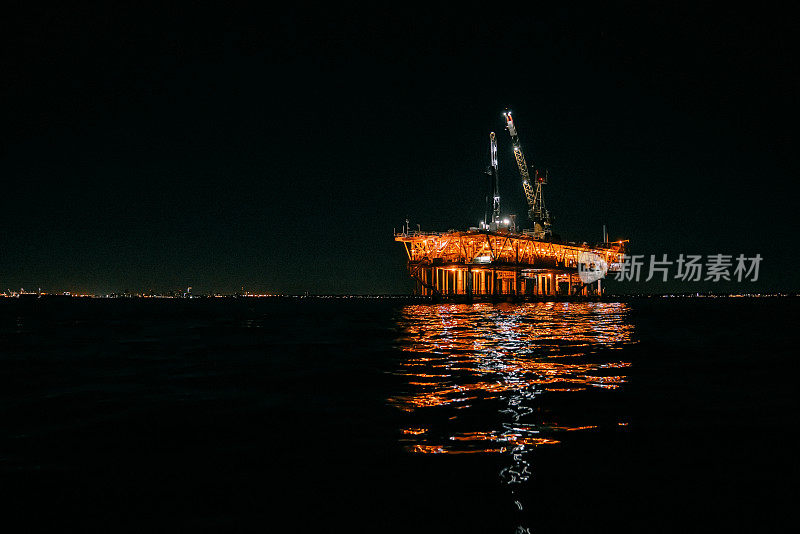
(222, 148)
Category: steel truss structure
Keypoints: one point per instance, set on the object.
(489, 264)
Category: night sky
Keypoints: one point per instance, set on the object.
(276, 151)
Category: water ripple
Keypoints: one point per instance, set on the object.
(475, 375)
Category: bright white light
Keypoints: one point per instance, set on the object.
(505, 221)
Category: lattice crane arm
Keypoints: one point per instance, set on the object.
(536, 210)
(521, 163)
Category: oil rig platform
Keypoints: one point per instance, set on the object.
(494, 261)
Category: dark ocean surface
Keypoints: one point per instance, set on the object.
(311, 415)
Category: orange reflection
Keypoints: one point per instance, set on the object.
(414, 431)
(467, 361)
(474, 375)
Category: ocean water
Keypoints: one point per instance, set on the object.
(313, 415)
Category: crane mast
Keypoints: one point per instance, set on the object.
(533, 193)
(494, 186)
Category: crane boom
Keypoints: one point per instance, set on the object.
(536, 208)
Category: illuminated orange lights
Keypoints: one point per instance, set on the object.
(479, 263)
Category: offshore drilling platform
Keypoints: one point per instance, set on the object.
(495, 261)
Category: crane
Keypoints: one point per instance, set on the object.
(533, 193)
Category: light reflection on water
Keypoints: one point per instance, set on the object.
(475, 372)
